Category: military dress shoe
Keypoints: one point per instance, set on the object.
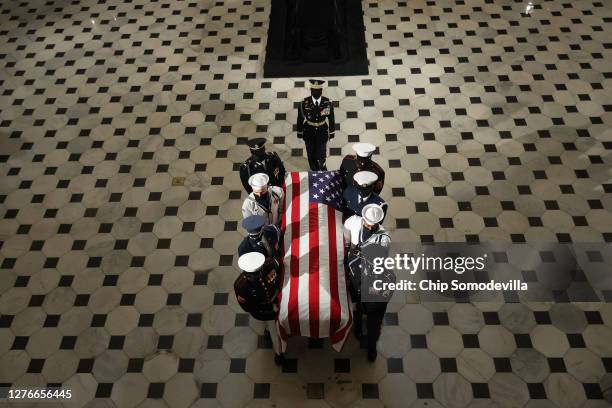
(278, 359)
(372, 355)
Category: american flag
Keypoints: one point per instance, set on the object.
(314, 299)
(325, 187)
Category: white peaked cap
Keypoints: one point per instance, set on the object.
(251, 262)
(364, 149)
(365, 178)
(259, 180)
(372, 214)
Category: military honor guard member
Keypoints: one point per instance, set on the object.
(256, 290)
(361, 232)
(362, 161)
(262, 162)
(265, 200)
(361, 193)
(316, 125)
(261, 237)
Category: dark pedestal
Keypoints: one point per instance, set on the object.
(316, 38)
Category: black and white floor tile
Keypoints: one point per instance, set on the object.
(122, 124)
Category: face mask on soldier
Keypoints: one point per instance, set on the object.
(362, 161)
(256, 236)
(365, 191)
(263, 199)
(371, 228)
(316, 93)
(259, 154)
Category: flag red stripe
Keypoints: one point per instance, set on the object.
(334, 321)
(313, 268)
(294, 268)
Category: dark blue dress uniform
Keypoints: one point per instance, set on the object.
(262, 162)
(357, 196)
(316, 125)
(354, 202)
(256, 290)
(262, 238)
(361, 161)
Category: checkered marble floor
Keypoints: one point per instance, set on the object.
(122, 124)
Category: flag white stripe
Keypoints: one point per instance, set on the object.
(324, 273)
(304, 262)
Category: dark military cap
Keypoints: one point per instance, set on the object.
(316, 83)
(256, 143)
(253, 223)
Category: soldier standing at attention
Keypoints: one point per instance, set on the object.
(262, 238)
(265, 200)
(360, 232)
(361, 161)
(256, 289)
(316, 125)
(262, 162)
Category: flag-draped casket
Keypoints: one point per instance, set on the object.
(314, 299)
